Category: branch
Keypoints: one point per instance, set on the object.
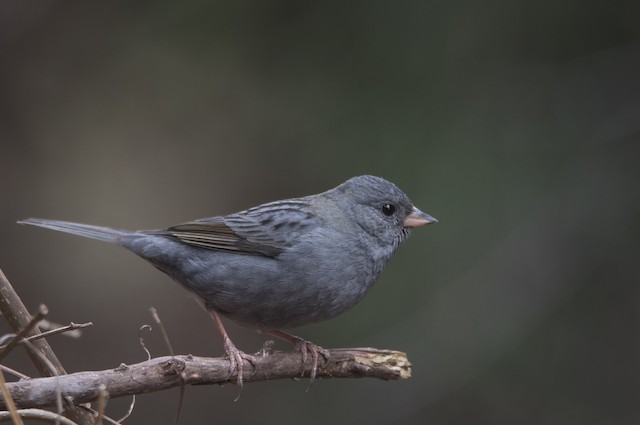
(168, 372)
(18, 317)
(42, 311)
(40, 415)
(39, 350)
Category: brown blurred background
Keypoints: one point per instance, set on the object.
(516, 123)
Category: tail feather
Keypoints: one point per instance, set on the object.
(104, 234)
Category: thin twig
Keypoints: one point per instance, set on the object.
(156, 317)
(48, 325)
(102, 403)
(13, 372)
(6, 337)
(38, 414)
(18, 317)
(42, 311)
(167, 342)
(6, 396)
(141, 340)
(69, 328)
(43, 359)
(95, 414)
(130, 411)
(183, 387)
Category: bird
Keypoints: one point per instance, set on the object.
(279, 265)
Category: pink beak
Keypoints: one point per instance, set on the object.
(417, 218)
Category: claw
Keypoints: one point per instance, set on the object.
(236, 360)
(236, 357)
(305, 347)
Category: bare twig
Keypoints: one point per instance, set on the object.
(95, 414)
(130, 411)
(70, 328)
(45, 361)
(156, 317)
(13, 372)
(74, 332)
(6, 395)
(18, 317)
(168, 372)
(42, 415)
(102, 403)
(180, 399)
(42, 311)
(167, 342)
(141, 340)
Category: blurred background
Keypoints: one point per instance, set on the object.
(516, 123)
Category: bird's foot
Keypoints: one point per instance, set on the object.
(236, 360)
(305, 347)
(236, 357)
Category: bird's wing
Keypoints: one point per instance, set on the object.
(213, 233)
(264, 230)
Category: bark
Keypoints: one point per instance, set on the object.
(173, 371)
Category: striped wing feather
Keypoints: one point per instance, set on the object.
(264, 230)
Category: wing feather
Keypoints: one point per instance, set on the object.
(264, 230)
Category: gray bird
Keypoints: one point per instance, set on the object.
(279, 265)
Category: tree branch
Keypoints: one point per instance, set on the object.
(167, 372)
(39, 350)
(18, 317)
(40, 415)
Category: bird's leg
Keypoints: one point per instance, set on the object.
(305, 347)
(236, 357)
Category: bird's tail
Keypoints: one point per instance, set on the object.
(94, 232)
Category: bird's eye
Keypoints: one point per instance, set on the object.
(388, 209)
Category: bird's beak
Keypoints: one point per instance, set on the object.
(417, 218)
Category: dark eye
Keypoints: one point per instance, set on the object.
(388, 209)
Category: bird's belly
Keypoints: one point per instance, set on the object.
(263, 292)
(268, 296)
(304, 292)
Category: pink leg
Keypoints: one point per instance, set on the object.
(305, 347)
(236, 357)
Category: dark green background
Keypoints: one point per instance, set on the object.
(516, 123)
